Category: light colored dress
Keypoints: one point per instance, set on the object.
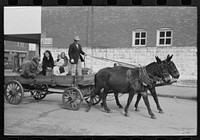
(56, 70)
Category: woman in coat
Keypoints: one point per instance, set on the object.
(47, 63)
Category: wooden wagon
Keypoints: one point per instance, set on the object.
(74, 89)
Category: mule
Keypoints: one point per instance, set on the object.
(172, 70)
(128, 80)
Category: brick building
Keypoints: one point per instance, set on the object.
(128, 34)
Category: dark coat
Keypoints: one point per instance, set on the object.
(75, 53)
(29, 69)
(47, 63)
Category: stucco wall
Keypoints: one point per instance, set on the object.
(185, 58)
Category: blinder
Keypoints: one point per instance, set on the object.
(163, 70)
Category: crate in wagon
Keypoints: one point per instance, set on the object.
(86, 71)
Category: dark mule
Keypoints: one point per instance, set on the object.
(127, 80)
(172, 70)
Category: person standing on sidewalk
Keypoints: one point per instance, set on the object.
(75, 58)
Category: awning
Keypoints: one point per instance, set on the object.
(26, 38)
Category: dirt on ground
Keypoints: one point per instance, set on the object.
(48, 117)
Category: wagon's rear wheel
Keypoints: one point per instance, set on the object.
(72, 98)
(38, 94)
(95, 101)
(14, 92)
(86, 94)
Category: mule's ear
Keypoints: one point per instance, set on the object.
(158, 59)
(171, 56)
(168, 56)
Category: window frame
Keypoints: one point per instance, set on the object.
(140, 31)
(165, 37)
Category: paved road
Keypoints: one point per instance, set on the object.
(48, 117)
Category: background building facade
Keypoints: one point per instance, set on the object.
(133, 35)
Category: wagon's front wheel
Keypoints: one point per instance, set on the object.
(14, 92)
(72, 98)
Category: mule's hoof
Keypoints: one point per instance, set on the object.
(126, 114)
(161, 112)
(136, 109)
(107, 110)
(120, 106)
(153, 116)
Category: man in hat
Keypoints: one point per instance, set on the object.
(30, 68)
(75, 57)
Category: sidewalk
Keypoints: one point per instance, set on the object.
(186, 83)
(178, 91)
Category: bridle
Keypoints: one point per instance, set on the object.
(168, 66)
(148, 78)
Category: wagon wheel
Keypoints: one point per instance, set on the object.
(38, 94)
(86, 94)
(72, 98)
(14, 92)
(95, 101)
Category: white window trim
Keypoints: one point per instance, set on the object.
(158, 36)
(133, 38)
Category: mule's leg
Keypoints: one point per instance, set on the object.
(117, 100)
(93, 94)
(104, 95)
(155, 97)
(146, 101)
(130, 97)
(137, 101)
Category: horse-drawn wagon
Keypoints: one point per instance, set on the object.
(74, 89)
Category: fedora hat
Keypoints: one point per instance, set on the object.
(76, 38)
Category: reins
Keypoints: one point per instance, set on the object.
(143, 74)
(106, 59)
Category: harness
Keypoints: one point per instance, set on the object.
(144, 77)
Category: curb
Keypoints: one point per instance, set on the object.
(179, 97)
(174, 96)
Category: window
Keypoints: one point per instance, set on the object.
(139, 38)
(20, 44)
(46, 41)
(164, 37)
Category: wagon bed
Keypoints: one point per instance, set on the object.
(84, 80)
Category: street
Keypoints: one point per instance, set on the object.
(48, 117)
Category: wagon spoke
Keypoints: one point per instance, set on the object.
(9, 97)
(14, 99)
(17, 97)
(15, 86)
(67, 101)
(95, 99)
(9, 87)
(74, 105)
